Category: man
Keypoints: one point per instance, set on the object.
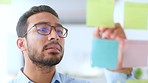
(41, 40)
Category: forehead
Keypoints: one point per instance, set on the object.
(42, 17)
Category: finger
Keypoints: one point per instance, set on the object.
(118, 32)
(107, 33)
(96, 33)
(120, 55)
(113, 36)
(102, 29)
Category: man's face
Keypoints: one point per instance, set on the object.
(44, 50)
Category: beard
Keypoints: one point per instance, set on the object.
(40, 60)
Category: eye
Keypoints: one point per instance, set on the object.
(43, 30)
(60, 32)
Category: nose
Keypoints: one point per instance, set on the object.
(53, 35)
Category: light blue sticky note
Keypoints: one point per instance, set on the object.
(104, 53)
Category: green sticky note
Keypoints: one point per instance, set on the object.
(100, 13)
(137, 81)
(104, 53)
(135, 15)
(5, 1)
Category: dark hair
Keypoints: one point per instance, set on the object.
(21, 27)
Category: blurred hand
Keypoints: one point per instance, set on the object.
(116, 33)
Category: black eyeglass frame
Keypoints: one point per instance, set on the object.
(35, 25)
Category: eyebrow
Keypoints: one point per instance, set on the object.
(56, 24)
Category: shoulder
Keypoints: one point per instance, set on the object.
(20, 78)
(13, 81)
(70, 79)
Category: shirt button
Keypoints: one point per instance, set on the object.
(56, 81)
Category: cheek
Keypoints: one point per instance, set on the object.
(39, 37)
(36, 41)
(63, 43)
(35, 36)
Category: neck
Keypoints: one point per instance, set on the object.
(39, 74)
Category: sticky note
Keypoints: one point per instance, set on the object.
(137, 81)
(100, 13)
(5, 1)
(135, 53)
(136, 15)
(104, 53)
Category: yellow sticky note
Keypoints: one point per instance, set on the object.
(137, 81)
(100, 13)
(135, 15)
(5, 1)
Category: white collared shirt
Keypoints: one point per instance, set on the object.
(112, 77)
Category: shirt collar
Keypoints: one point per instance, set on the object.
(56, 77)
(21, 77)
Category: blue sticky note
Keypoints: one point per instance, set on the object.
(104, 53)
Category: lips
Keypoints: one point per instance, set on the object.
(53, 47)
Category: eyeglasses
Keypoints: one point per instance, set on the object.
(46, 28)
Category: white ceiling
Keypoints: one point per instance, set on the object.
(70, 11)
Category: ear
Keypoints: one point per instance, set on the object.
(21, 43)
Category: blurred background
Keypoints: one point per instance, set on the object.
(77, 56)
